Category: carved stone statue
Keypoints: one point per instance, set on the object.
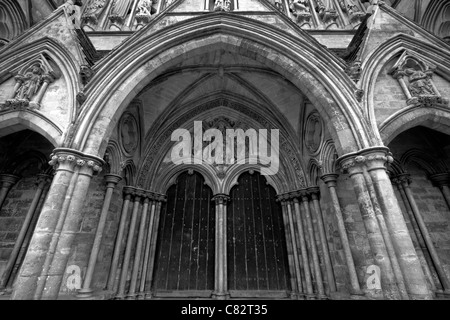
(324, 5)
(327, 11)
(419, 83)
(354, 70)
(299, 6)
(222, 5)
(31, 82)
(144, 7)
(120, 10)
(93, 10)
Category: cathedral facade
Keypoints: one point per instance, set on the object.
(224, 149)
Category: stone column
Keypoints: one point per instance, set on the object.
(330, 180)
(427, 237)
(317, 272)
(220, 290)
(34, 270)
(118, 243)
(314, 192)
(442, 180)
(42, 181)
(52, 275)
(290, 220)
(111, 182)
(354, 164)
(126, 259)
(6, 182)
(302, 243)
(151, 263)
(415, 281)
(138, 252)
(386, 236)
(292, 253)
(417, 240)
(148, 243)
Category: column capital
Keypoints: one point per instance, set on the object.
(128, 190)
(8, 180)
(112, 178)
(402, 179)
(373, 158)
(68, 159)
(330, 179)
(440, 179)
(314, 192)
(220, 198)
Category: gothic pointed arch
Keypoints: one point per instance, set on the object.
(219, 30)
(376, 62)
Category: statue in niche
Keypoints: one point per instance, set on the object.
(93, 10)
(222, 5)
(144, 7)
(299, 6)
(279, 5)
(326, 10)
(120, 10)
(31, 82)
(419, 83)
(324, 5)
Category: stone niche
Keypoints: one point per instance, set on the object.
(415, 77)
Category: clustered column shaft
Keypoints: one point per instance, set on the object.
(299, 208)
(42, 182)
(404, 184)
(144, 242)
(402, 276)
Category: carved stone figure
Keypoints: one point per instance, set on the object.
(144, 7)
(419, 83)
(31, 82)
(86, 74)
(93, 10)
(299, 6)
(222, 5)
(73, 12)
(354, 70)
(120, 10)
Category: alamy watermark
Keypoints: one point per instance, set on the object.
(220, 152)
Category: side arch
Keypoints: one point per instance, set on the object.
(11, 60)
(432, 117)
(378, 58)
(11, 122)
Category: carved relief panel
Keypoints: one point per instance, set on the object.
(415, 77)
(32, 81)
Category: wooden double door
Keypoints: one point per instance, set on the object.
(255, 258)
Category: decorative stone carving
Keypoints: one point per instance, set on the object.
(326, 11)
(300, 10)
(86, 74)
(419, 87)
(129, 133)
(72, 10)
(32, 80)
(353, 10)
(313, 135)
(120, 11)
(93, 11)
(144, 9)
(354, 70)
(222, 5)
(72, 158)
